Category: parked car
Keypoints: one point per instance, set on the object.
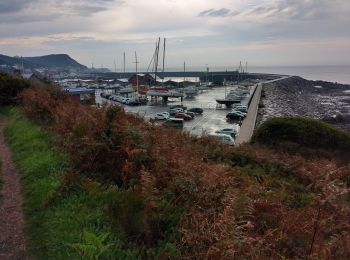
(178, 106)
(143, 100)
(191, 114)
(235, 116)
(239, 105)
(125, 100)
(115, 98)
(196, 110)
(173, 111)
(241, 109)
(228, 131)
(183, 116)
(174, 122)
(239, 112)
(161, 116)
(105, 95)
(224, 138)
(166, 114)
(134, 103)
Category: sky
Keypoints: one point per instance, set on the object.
(213, 33)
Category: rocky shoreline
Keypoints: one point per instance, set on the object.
(296, 96)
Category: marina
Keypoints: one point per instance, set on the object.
(212, 119)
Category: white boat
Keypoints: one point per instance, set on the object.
(190, 91)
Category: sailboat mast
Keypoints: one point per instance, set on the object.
(184, 72)
(225, 84)
(163, 60)
(124, 63)
(22, 65)
(137, 76)
(156, 62)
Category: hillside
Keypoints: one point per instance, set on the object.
(56, 61)
(59, 61)
(103, 184)
(12, 61)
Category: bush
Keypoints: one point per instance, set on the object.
(303, 131)
(10, 87)
(162, 194)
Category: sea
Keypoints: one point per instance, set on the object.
(340, 74)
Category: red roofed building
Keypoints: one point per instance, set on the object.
(143, 79)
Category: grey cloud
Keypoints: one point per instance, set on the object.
(84, 7)
(61, 39)
(24, 11)
(14, 19)
(223, 12)
(205, 12)
(85, 10)
(302, 9)
(220, 12)
(13, 6)
(78, 7)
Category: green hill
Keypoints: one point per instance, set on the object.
(12, 61)
(60, 61)
(56, 61)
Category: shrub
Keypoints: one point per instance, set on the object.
(10, 87)
(170, 195)
(303, 131)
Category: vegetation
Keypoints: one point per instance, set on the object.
(55, 216)
(3, 111)
(62, 61)
(134, 190)
(302, 131)
(10, 87)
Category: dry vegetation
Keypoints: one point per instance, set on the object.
(173, 195)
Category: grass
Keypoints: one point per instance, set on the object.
(302, 131)
(56, 220)
(3, 112)
(137, 191)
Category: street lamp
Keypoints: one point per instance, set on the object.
(206, 74)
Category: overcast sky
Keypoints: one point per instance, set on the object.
(213, 32)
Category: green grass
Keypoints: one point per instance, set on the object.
(302, 131)
(55, 219)
(4, 110)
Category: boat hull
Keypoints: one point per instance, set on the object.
(228, 103)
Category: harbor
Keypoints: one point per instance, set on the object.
(212, 119)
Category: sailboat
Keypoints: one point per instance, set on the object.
(231, 98)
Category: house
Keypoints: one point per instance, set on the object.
(82, 95)
(143, 79)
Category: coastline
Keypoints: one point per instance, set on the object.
(336, 73)
(297, 96)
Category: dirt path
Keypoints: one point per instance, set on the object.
(12, 242)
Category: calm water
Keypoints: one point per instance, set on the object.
(340, 74)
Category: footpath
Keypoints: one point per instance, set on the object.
(248, 125)
(12, 240)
